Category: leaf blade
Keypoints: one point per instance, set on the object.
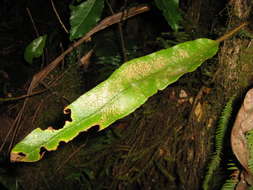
(84, 17)
(35, 48)
(122, 93)
(170, 10)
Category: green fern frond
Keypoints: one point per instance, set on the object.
(219, 137)
(249, 138)
(229, 185)
(110, 60)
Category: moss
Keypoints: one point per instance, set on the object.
(245, 66)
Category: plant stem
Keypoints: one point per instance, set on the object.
(232, 32)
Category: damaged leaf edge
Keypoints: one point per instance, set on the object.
(19, 156)
(28, 158)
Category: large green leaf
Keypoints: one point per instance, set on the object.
(170, 9)
(35, 48)
(84, 17)
(122, 93)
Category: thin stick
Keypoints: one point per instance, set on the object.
(63, 62)
(102, 25)
(37, 110)
(33, 23)
(123, 46)
(220, 39)
(22, 96)
(37, 33)
(58, 17)
(232, 32)
(70, 157)
(9, 132)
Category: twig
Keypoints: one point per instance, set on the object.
(37, 110)
(15, 123)
(232, 32)
(62, 50)
(85, 60)
(58, 17)
(37, 33)
(33, 23)
(123, 46)
(70, 156)
(54, 93)
(220, 39)
(102, 25)
(22, 96)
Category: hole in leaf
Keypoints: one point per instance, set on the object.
(21, 154)
(67, 116)
(61, 144)
(91, 132)
(61, 120)
(42, 151)
(93, 129)
(67, 111)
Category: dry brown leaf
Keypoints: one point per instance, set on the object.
(243, 124)
(85, 60)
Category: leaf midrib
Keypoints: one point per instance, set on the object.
(78, 122)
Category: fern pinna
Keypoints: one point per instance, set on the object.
(219, 137)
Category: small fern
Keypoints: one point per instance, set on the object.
(110, 60)
(219, 137)
(229, 184)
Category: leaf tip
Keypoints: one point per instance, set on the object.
(17, 157)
